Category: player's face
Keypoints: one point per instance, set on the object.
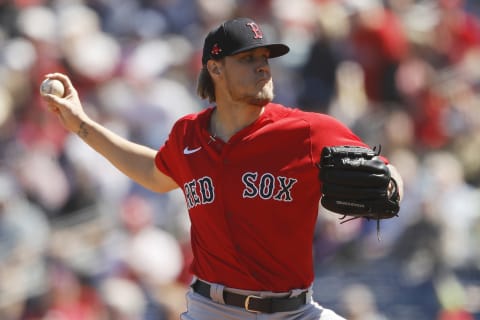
(248, 78)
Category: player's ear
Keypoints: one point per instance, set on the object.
(214, 67)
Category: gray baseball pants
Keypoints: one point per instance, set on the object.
(201, 308)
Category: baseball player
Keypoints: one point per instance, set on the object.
(249, 171)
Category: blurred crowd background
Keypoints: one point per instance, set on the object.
(80, 241)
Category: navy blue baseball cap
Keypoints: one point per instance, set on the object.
(235, 36)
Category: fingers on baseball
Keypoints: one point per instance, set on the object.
(65, 80)
(52, 103)
(51, 99)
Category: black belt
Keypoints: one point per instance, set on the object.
(254, 303)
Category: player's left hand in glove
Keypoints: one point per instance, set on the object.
(357, 183)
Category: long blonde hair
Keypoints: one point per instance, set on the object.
(205, 85)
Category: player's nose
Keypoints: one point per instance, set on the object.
(263, 66)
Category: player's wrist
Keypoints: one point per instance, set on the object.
(83, 127)
(392, 190)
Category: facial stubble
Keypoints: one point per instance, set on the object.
(260, 98)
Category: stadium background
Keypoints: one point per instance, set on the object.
(78, 240)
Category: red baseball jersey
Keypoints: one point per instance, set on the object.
(253, 201)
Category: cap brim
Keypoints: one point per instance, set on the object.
(276, 49)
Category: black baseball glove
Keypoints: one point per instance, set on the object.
(357, 183)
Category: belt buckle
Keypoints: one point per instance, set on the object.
(247, 303)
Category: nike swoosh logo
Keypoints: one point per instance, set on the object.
(190, 151)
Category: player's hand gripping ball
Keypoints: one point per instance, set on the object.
(52, 86)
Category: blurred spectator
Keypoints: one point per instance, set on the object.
(453, 299)
(452, 196)
(359, 303)
(417, 248)
(379, 44)
(24, 236)
(70, 296)
(350, 102)
(146, 255)
(124, 300)
(318, 72)
(457, 31)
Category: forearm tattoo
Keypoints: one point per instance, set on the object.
(82, 130)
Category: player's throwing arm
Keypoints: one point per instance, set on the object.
(134, 160)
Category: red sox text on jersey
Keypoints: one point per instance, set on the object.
(265, 186)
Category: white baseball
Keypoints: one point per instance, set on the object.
(52, 86)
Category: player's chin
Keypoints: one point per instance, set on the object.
(261, 100)
(263, 97)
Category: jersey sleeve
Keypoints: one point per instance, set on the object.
(328, 131)
(161, 159)
(168, 154)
